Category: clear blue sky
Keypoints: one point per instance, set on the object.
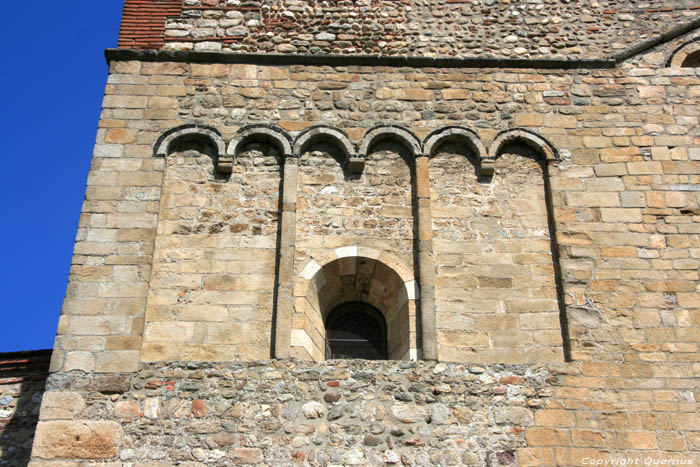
(52, 82)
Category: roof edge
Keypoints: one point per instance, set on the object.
(652, 42)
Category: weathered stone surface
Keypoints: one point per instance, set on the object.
(81, 439)
(127, 409)
(560, 217)
(222, 410)
(247, 456)
(514, 415)
(108, 384)
(57, 405)
(599, 29)
(409, 413)
(313, 410)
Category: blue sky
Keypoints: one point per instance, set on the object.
(52, 82)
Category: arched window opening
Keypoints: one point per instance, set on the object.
(356, 330)
(360, 294)
(692, 60)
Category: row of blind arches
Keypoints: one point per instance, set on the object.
(355, 329)
(355, 156)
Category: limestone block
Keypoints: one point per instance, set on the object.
(520, 416)
(116, 361)
(410, 413)
(57, 405)
(210, 70)
(80, 439)
(247, 456)
(169, 331)
(211, 353)
(164, 68)
(160, 351)
(97, 325)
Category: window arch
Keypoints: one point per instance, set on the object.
(355, 280)
(686, 55)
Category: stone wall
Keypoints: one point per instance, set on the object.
(539, 29)
(598, 232)
(369, 413)
(496, 285)
(502, 219)
(22, 380)
(284, 412)
(214, 261)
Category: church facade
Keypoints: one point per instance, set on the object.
(371, 232)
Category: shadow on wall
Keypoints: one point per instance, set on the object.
(22, 382)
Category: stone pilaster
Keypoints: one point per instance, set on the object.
(426, 266)
(285, 282)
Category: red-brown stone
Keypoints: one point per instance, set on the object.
(199, 408)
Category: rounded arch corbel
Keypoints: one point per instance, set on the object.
(682, 52)
(540, 144)
(190, 132)
(335, 136)
(458, 134)
(257, 132)
(393, 132)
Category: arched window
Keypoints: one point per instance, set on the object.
(363, 296)
(356, 330)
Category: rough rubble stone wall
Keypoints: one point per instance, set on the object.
(22, 380)
(286, 413)
(433, 28)
(368, 413)
(335, 207)
(495, 286)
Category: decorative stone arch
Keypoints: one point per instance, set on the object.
(281, 140)
(257, 132)
(457, 134)
(335, 136)
(354, 274)
(546, 149)
(687, 54)
(190, 132)
(393, 132)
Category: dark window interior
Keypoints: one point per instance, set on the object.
(356, 330)
(692, 60)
